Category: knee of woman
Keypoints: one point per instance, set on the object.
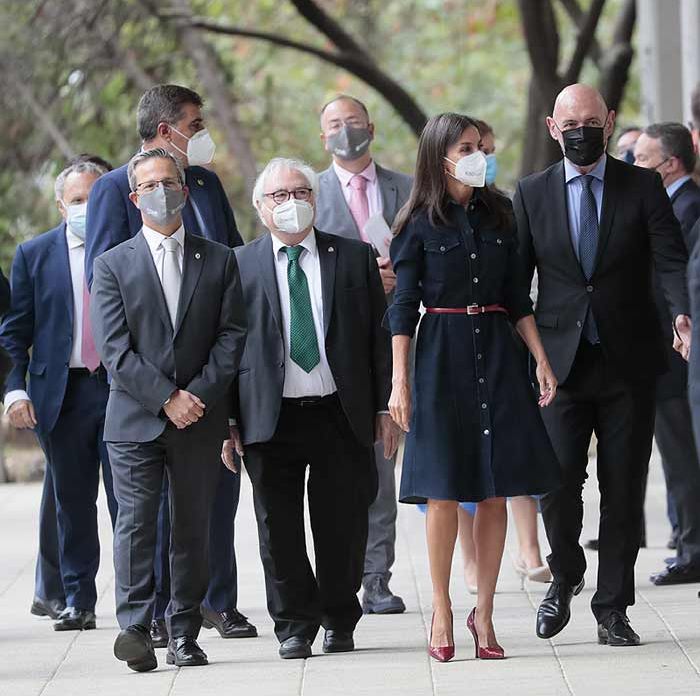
(492, 504)
(442, 505)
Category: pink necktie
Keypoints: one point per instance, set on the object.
(88, 352)
(359, 206)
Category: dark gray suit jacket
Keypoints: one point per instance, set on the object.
(332, 211)
(148, 360)
(356, 344)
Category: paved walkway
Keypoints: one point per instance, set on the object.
(391, 656)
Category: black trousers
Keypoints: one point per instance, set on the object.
(341, 486)
(595, 399)
(674, 437)
(188, 458)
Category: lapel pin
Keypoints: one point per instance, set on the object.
(200, 182)
(331, 249)
(198, 255)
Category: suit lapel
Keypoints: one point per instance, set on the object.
(192, 264)
(60, 271)
(269, 277)
(145, 268)
(327, 254)
(200, 198)
(608, 208)
(389, 194)
(560, 211)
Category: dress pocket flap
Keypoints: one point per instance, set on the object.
(548, 321)
(437, 246)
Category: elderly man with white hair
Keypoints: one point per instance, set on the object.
(311, 392)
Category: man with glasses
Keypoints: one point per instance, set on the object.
(593, 227)
(170, 117)
(169, 325)
(355, 193)
(311, 393)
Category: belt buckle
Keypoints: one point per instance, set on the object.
(304, 402)
(473, 309)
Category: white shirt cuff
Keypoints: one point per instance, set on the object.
(13, 396)
(383, 413)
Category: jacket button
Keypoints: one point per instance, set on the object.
(442, 248)
(579, 324)
(476, 280)
(481, 380)
(487, 431)
(589, 288)
(483, 405)
(477, 330)
(473, 255)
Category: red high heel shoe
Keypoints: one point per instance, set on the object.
(486, 653)
(445, 653)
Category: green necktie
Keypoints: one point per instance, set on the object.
(303, 347)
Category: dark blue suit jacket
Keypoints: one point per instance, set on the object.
(40, 318)
(112, 218)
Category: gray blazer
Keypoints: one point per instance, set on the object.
(333, 214)
(148, 360)
(357, 346)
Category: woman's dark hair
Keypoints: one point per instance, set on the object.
(429, 190)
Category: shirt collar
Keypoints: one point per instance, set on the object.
(73, 240)
(369, 172)
(571, 173)
(154, 239)
(672, 188)
(308, 243)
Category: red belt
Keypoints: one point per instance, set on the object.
(472, 309)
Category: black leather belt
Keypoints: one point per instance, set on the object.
(84, 372)
(310, 401)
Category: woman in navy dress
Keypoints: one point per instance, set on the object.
(474, 430)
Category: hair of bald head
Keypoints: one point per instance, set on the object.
(573, 96)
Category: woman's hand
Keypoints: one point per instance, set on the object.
(547, 382)
(400, 404)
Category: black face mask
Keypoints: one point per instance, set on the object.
(584, 145)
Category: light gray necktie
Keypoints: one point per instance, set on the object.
(172, 276)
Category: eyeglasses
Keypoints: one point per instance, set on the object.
(149, 186)
(282, 195)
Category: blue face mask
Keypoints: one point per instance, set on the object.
(76, 215)
(491, 169)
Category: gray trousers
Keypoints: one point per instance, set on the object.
(674, 438)
(381, 537)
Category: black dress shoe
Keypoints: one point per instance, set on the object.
(676, 574)
(338, 641)
(555, 610)
(183, 651)
(230, 623)
(295, 648)
(133, 646)
(615, 630)
(73, 619)
(47, 607)
(159, 633)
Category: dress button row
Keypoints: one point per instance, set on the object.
(481, 380)
(476, 280)
(483, 405)
(442, 248)
(473, 255)
(477, 330)
(487, 431)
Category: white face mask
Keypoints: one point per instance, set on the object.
(200, 147)
(470, 170)
(75, 218)
(293, 216)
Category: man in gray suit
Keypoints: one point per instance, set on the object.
(169, 324)
(353, 190)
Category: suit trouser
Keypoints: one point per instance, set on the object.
(341, 485)
(595, 399)
(74, 450)
(222, 593)
(188, 458)
(48, 582)
(674, 437)
(381, 532)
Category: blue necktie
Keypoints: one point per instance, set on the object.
(588, 246)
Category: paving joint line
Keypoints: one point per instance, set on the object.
(302, 680)
(17, 576)
(672, 633)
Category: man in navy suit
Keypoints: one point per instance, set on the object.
(170, 116)
(668, 148)
(64, 401)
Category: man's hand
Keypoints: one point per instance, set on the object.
(386, 431)
(681, 339)
(22, 414)
(184, 408)
(387, 274)
(233, 443)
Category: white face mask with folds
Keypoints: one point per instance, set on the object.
(200, 147)
(293, 216)
(470, 170)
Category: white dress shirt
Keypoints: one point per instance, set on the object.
(76, 259)
(374, 195)
(298, 382)
(155, 244)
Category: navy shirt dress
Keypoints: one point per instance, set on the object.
(475, 431)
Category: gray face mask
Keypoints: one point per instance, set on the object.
(349, 143)
(162, 205)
